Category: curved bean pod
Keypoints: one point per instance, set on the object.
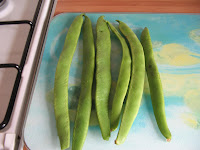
(85, 99)
(155, 85)
(136, 83)
(103, 76)
(122, 82)
(61, 82)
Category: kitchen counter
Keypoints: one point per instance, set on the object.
(137, 6)
(148, 6)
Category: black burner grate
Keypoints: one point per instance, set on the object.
(22, 62)
(2, 2)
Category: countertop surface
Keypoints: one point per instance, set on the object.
(136, 6)
(147, 6)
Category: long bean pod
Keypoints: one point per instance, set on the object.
(136, 83)
(122, 82)
(103, 76)
(61, 82)
(155, 85)
(85, 100)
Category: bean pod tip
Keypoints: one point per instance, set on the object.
(82, 14)
(168, 140)
(146, 29)
(116, 142)
(118, 21)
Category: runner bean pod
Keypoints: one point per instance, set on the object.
(61, 82)
(103, 76)
(122, 82)
(136, 83)
(85, 100)
(155, 85)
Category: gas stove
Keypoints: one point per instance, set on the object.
(23, 28)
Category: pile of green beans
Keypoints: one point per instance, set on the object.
(97, 64)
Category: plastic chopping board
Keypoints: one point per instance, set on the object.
(176, 43)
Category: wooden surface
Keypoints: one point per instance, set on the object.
(148, 6)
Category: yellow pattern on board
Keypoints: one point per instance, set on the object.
(192, 99)
(176, 55)
(195, 35)
(190, 120)
(177, 84)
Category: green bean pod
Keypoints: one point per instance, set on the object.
(136, 83)
(85, 100)
(122, 82)
(103, 76)
(61, 82)
(155, 85)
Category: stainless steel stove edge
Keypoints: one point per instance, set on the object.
(12, 136)
(49, 16)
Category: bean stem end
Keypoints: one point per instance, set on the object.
(118, 21)
(116, 142)
(168, 140)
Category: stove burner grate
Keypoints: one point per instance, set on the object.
(2, 2)
(20, 67)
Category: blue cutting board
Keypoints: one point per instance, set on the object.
(176, 43)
